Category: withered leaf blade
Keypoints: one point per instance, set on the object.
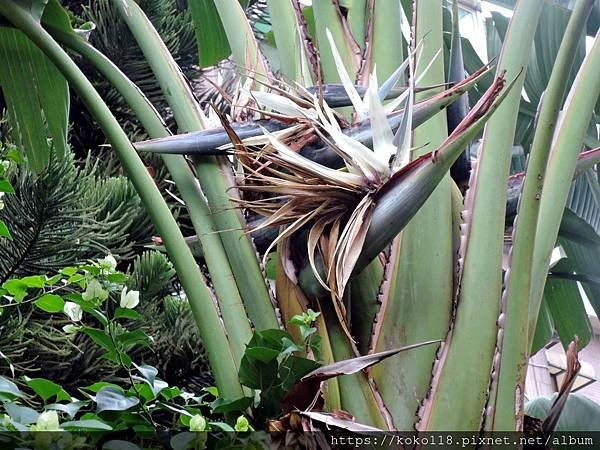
(339, 422)
(573, 368)
(355, 365)
(303, 392)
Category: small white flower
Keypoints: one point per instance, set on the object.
(108, 263)
(129, 299)
(73, 310)
(70, 329)
(47, 421)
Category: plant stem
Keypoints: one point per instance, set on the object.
(461, 386)
(212, 172)
(560, 170)
(231, 306)
(514, 349)
(211, 329)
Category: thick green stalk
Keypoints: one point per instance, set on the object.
(212, 172)
(461, 381)
(387, 37)
(290, 49)
(559, 172)
(357, 21)
(514, 349)
(328, 17)
(241, 39)
(357, 395)
(211, 328)
(232, 309)
(420, 285)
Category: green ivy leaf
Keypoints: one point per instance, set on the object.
(124, 313)
(256, 374)
(100, 337)
(16, 288)
(97, 387)
(220, 405)
(92, 424)
(70, 408)
(132, 338)
(263, 354)
(113, 399)
(8, 387)
(46, 389)
(35, 281)
(51, 303)
(4, 231)
(5, 186)
(148, 372)
(21, 414)
(117, 277)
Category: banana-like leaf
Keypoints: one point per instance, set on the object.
(210, 35)
(565, 303)
(37, 97)
(585, 161)
(579, 413)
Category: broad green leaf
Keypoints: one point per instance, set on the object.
(37, 97)
(567, 310)
(5, 186)
(51, 303)
(57, 17)
(46, 389)
(543, 331)
(16, 288)
(148, 372)
(221, 406)
(113, 399)
(21, 414)
(210, 34)
(70, 408)
(83, 425)
(99, 337)
(4, 231)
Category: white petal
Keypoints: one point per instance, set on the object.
(345, 79)
(283, 105)
(383, 145)
(129, 299)
(73, 310)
